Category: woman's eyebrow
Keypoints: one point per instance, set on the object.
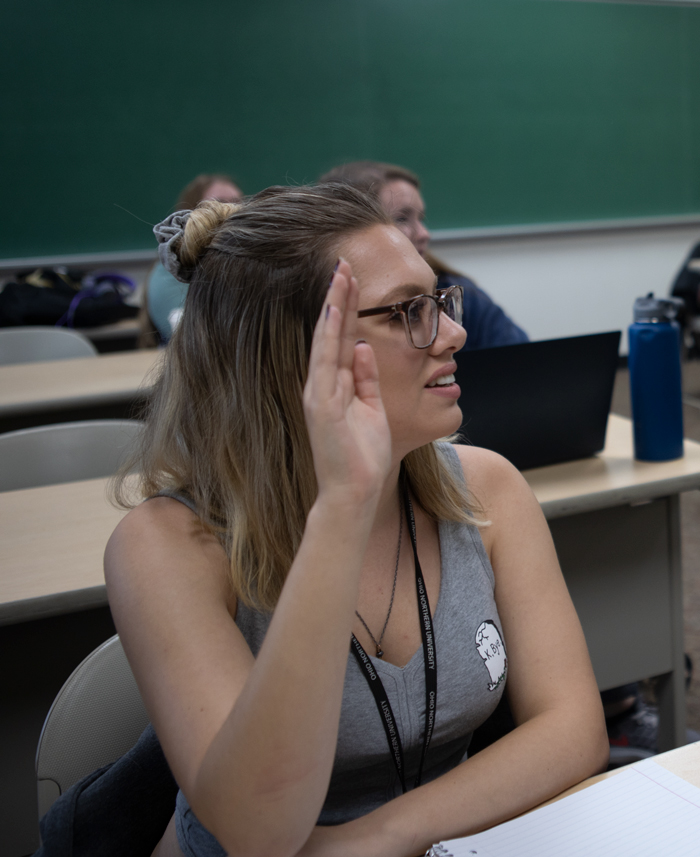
(406, 292)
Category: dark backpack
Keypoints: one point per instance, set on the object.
(67, 298)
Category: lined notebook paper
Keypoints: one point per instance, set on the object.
(645, 810)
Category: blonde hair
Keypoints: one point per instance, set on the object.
(225, 424)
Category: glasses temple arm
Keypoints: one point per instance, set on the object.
(377, 310)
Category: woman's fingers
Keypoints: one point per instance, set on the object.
(344, 412)
(326, 344)
(348, 333)
(366, 375)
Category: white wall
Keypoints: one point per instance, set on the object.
(567, 284)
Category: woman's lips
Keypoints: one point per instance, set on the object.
(447, 391)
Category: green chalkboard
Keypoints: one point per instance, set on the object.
(511, 111)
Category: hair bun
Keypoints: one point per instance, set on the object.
(200, 228)
(185, 235)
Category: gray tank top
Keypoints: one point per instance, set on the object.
(471, 667)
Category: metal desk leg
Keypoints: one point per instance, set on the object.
(671, 686)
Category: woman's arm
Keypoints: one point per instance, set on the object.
(560, 737)
(252, 741)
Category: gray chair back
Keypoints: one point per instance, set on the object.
(97, 716)
(64, 452)
(31, 344)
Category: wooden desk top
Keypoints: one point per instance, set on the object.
(105, 379)
(684, 762)
(52, 539)
(613, 477)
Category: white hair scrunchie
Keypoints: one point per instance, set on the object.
(167, 232)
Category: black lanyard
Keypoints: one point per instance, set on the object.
(429, 659)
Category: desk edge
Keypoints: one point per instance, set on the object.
(92, 400)
(13, 612)
(560, 508)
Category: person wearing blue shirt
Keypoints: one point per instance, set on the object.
(398, 190)
(165, 296)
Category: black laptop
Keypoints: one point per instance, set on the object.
(539, 403)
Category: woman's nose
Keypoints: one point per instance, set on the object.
(451, 336)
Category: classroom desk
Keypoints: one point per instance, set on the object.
(82, 388)
(639, 810)
(616, 526)
(52, 541)
(684, 762)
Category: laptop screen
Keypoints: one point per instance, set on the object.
(539, 403)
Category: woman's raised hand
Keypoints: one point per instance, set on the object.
(349, 433)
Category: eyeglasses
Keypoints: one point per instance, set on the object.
(421, 314)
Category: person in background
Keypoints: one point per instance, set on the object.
(398, 190)
(276, 593)
(687, 286)
(164, 296)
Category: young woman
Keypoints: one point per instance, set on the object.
(398, 191)
(320, 602)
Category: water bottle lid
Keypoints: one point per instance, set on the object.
(656, 309)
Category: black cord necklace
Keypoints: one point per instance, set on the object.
(375, 684)
(378, 643)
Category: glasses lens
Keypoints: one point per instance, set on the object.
(422, 321)
(453, 305)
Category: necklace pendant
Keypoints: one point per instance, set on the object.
(380, 653)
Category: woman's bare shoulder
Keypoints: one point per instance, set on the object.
(162, 513)
(162, 539)
(487, 472)
(505, 499)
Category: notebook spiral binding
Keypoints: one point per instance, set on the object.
(438, 851)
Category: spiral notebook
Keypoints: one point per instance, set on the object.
(645, 811)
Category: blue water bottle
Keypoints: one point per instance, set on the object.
(655, 379)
